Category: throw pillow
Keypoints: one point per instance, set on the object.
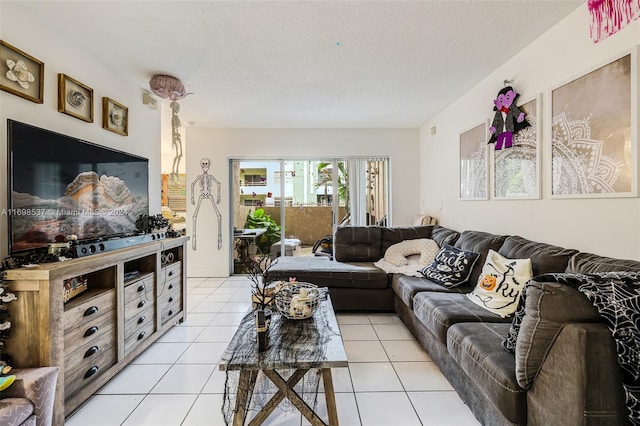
(500, 284)
(451, 266)
(397, 253)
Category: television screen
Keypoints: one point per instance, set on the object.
(61, 186)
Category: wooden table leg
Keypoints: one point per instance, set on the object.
(329, 396)
(275, 400)
(245, 384)
(295, 399)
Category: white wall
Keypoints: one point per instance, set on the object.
(60, 55)
(604, 226)
(219, 145)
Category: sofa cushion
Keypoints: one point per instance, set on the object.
(327, 273)
(545, 258)
(587, 263)
(451, 266)
(481, 243)
(476, 349)
(426, 248)
(394, 235)
(442, 235)
(15, 411)
(407, 287)
(548, 306)
(500, 284)
(358, 243)
(439, 311)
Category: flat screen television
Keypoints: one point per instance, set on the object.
(61, 186)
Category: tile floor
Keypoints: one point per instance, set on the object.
(390, 380)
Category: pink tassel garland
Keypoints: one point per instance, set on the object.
(610, 16)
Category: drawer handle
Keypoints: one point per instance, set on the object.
(171, 299)
(141, 335)
(170, 273)
(90, 331)
(170, 286)
(141, 304)
(141, 288)
(91, 351)
(170, 312)
(90, 372)
(141, 319)
(92, 310)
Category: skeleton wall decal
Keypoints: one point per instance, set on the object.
(206, 180)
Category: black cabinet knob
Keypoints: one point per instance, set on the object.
(170, 273)
(141, 335)
(171, 299)
(141, 288)
(90, 331)
(170, 286)
(91, 351)
(92, 310)
(90, 372)
(170, 312)
(141, 304)
(141, 319)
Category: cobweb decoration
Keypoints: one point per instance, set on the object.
(579, 165)
(282, 333)
(610, 16)
(616, 296)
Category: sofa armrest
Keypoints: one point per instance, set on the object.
(37, 385)
(579, 382)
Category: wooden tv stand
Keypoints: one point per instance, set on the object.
(133, 296)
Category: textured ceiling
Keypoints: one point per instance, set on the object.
(308, 63)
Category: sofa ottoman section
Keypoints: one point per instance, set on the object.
(406, 287)
(439, 311)
(476, 347)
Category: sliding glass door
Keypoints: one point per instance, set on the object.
(301, 201)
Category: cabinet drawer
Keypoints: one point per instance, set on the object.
(169, 312)
(139, 321)
(77, 314)
(168, 299)
(144, 286)
(90, 351)
(138, 337)
(88, 331)
(136, 307)
(171, 271)
(86, 375)
(171, 285)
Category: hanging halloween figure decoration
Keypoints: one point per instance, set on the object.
(171, 88)
(508, 119)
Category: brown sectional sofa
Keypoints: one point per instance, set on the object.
(564, 370)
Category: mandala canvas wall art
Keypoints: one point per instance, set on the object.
(594, 133)
(516, 170)
(474, 169)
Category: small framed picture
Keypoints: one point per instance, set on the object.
(115, 117)
(21, 74)
(74, 98)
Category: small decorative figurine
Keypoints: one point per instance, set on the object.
(508, 119)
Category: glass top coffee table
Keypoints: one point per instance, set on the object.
(300, 345)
